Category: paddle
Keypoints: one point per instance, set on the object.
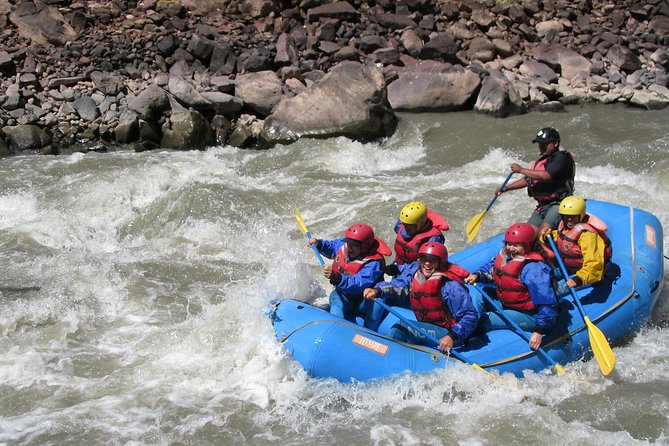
(303, 227)
(600, 346)
(475, 223)
(430, 337)
(517, 329)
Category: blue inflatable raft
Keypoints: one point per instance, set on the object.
(330, 347)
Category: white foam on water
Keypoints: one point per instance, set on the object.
(157, 272)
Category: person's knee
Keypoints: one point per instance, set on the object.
(399, 332)
(562, 288)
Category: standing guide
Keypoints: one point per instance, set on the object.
(548, 181)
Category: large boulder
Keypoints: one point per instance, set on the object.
(499, 97)
(565, 60)
(351, 100)
(186, 93)
(42, 24)
(624, 58)
(438, 88)
(150, 103)
(260, 91)
(26, 137)
(186, 129)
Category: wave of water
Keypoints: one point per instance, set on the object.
(135, 290)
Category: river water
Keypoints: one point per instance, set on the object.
(135, 287)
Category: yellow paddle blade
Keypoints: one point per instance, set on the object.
(478, 367)
(474, 225)
(300, 221)
(600, 347)
(560, 369)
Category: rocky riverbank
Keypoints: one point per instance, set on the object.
(253, 73)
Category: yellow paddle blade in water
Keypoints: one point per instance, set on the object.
(481, 369)
(300, 221)
(600, 347)
(474, 225)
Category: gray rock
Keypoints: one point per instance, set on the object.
(201, 47)
(329, 47)
(128, 128)
(624, 58)
(26, 137)
(108, 83)
(368, 44)
(532, 68)
(13, 98)
(223, 59)
(503, 47)
(549, 29)
(187, 130)
(4, 148)
(149, 131)
(7, 65)
(411, 42)
(254, 60)
(65, 81)
(224, 84)
(222, 103)
(346, 53)
(42, 24)
(386, 56)
(86, 108)
(150, 103)
(395, 21)
(181, 68)
(481, 49)
(186, 93)
(167, 45)
(261, 91)
(649, 100)
(245, 132)
(551, 106)
(442, 47)
(337, 10)
(498, 97)
(419, 91)
(259, 8)
(286, 50)
(350, 101)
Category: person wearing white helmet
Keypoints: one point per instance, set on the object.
(548, 180)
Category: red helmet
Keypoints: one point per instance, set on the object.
(362, 233)
(434, 249)
(520, 233)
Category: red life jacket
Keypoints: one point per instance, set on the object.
(340, 265)
(545, 192)
(567, 243)
(406, 251)
(426, 302)
(510, 290)
(456, 272)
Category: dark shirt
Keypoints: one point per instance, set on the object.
(560, 166)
